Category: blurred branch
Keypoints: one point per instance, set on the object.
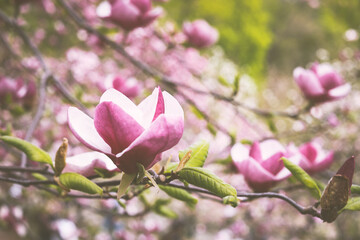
(45, 76)
(303, 210)
(25, 169)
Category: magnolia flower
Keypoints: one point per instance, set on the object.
(200, 33)
(321, 83)
(312, 157)
(129, 14)
(260, 164)
(85, 163)
(15, 90)
(127, 133)
(129, 87)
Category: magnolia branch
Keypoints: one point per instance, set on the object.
(243, 196)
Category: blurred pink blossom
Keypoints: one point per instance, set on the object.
(127, 133)
(261, 163)
(200, 34)
(321, 83)
(129, 14)
(313, 158)
(15, 90)
(130, 87)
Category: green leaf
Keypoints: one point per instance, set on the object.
(353, 204)
(223, 81)
(125, 182)
(197, 112)
(78, 182)
(271, 124)
(355, 189)
(39, 176)
(161, 208)
(205, 179)
(60, 158)
(104, 173)
(211, 129)
(32, 152)
(180, 194)
(231, 200)
(246, 142)
(199, 152)
(236, 85)
(303, 177)
(171, 167)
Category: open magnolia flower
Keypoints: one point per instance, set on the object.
(313, 158)
(261, 164)
(321, 83)
(127, 133)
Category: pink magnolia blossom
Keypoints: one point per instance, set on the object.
(129, 87)
(131, 14)
(261, 163)
(85, 163)
(200, 33)
(127, 133)
(313, 158)
(321, 83)
(15, 90)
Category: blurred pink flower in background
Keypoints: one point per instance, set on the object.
(130, 87)
(9, 89)
(127, 133)
(261, 163)
(313, 158)
(200, 34)
(129, 14)
(15, 90)
(321, 83)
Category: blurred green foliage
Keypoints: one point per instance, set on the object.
(277, 34)
(243, 26)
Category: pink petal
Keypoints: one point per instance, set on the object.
(143, 5)
(239, 153)
(330, 80)
(258, 178)
(328, 77)
(274, 164)
(115, 126)
(322, 164)
(125, 14)
(85, 163)
(339, 92)
(84, 130)
(160, 106)
(270, 147)
(308, 82)
(148, 108)
(150, 16)
(112, 95)
(255, 152)
(309, 151)
(162, 134)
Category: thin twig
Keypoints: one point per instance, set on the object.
(25, 169)
(26, 183)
